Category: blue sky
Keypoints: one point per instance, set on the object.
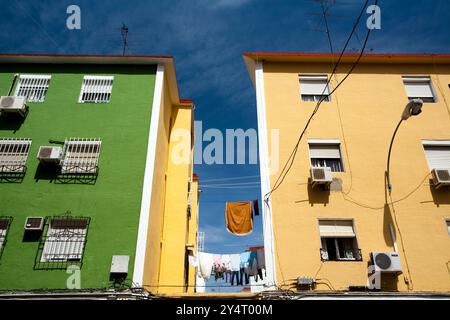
(207, 38)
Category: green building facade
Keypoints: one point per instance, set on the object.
(104, 203)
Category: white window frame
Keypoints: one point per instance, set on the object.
(99, 88)
(37, 87)
(317, 78)
(447, 224)
(64, 244)
(354, 238)
(435, 143)
(15, 154)
(84, 158)
(420, 79)
(3, 233)
(326, 142)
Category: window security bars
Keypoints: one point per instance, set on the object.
(80, 156)
(348, 254)
(63, 243)
(33, 87)
(13, 155)
(4, 227)
(96, 89)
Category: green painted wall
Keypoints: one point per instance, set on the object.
(113, 202)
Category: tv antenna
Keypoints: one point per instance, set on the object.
(124, 33)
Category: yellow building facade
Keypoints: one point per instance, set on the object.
(332, 233)
(169, 223)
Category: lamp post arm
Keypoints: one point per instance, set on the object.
(389, 186)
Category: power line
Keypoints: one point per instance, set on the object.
(290, 160)
(231, 184)
(231, 178)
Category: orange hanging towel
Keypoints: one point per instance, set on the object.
(239, 218)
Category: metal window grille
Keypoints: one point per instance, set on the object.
(13, 155)
(65, 239)
(33, 87)
(4, 227)
(80, 156)
(200, 241)
(96, 89)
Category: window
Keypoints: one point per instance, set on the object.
(13, 155)
(65, 239)
(314, 88)
(33, 87)
(4, 226)
(448, 225)
(437, 154)
(338, 240)
(81, 156)
(96, 89)
(419, 87)
(326, 154)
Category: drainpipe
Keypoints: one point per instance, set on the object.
(13, 83)
(394, 240)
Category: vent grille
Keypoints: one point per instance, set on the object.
(45, 152)
(383, 261)
(318, 174)
(443, 175)
(7, 102)
(34, 223)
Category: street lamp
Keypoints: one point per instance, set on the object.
(413, 108)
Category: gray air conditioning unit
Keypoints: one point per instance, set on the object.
(10, 104)
(386, 262)
(119, 267)
(441, 177)
(321, 176)
(49, 154)
(34, 224)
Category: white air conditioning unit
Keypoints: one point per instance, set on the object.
(13, 104)
(49, 154)
(441, 177)
(386, 262)
(34, 224)
(321, 176)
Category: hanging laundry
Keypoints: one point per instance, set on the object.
(239, 218)
(193, 261)
(235, 262)
(253, 264)
(245, 260)
(205, 263)
(260, 256)
(256, 207)
(226, 262)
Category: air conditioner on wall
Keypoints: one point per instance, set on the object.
(10, 104)
(441, 177)
(49, 154)
(386, 262)
(34, 224)
(321, 176)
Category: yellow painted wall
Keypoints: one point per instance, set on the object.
(363, 114)
(153, 254)
(168, 229)
(175, 234)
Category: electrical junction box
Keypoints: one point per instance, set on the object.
(305, 281)
(119, 266)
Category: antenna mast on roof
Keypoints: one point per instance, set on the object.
(124, 33)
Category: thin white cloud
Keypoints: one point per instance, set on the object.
(231, 3)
